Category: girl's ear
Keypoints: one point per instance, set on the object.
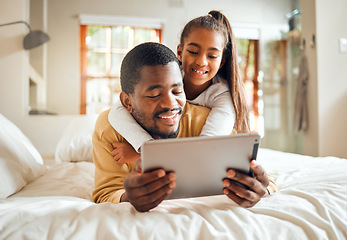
(222, 63)
(179, 52)
(125, 99)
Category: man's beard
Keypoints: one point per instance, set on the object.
(154, 130)
(165, 135)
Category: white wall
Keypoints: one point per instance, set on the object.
(310, 136)
(44, 131)
(327, 88)
(12, 63)
(331, 24)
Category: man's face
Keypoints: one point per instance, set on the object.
(158, 100)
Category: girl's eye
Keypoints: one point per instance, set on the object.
(177, 92)
(192, 52)
(212, 56)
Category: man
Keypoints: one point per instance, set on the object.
(152, 91)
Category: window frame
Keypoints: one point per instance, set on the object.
(107, 21)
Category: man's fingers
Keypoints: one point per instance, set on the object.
(246, 197)
(242, 178)
(148, 183)
(240, 201)
(145, 178)
(240, 191)
(160, 186)
(259, 173)
(151, 204)
(138, 165)
(148, 196)
(155, 197)
(250, 182)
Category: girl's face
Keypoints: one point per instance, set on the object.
(201, 55)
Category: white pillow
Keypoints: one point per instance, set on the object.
(76, 142)
(20, 162)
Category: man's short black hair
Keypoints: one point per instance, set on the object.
(145, 54)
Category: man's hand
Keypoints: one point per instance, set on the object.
(257, 186)
(147, 190)
(124, 153)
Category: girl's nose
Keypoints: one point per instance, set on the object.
(201, 60)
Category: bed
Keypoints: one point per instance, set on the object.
(53, 201)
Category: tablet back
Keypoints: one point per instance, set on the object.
(200, 163)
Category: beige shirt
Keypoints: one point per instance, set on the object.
(109, 175)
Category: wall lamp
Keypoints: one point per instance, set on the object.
(33, 38)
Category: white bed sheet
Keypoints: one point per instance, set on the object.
(311, 204)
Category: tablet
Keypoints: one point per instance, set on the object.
(200, 163)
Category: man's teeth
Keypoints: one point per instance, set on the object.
(172, 115)
(166, 117)
(199, 72)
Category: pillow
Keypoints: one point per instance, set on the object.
(76, 142)
(20, 162)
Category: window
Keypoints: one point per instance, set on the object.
(102, 50)
(247, 40)
(248, 52)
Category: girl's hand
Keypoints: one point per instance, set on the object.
(124, 153)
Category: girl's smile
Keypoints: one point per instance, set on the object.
(199, 73)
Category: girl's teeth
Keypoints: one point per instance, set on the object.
(199, 72)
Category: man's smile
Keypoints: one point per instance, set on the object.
(169, 117)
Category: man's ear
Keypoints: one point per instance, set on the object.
(179, 52)
(125, 99)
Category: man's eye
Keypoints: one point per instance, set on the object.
(154, 96)
(192, 52)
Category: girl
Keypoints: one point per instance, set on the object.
(208, 54)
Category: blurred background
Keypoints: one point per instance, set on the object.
(76, 73)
